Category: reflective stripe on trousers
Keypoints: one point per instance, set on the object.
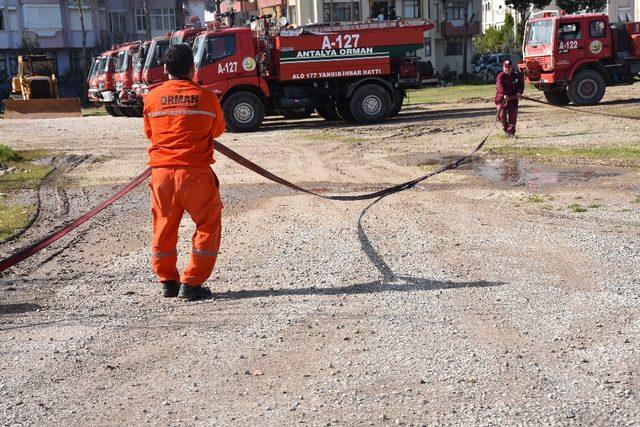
(204, 252)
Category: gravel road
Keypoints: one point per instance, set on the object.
(479, 297)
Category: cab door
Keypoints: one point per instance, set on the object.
(570, 43)
(600, 45)
(216, 61)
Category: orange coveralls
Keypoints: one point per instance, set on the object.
(181, 119)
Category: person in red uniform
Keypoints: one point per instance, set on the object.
(509, 88)
(181, 119)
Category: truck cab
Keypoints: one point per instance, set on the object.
(124, 75)
(92, 78)
(222, 56)
(105, 78)
(572, 58)
(153, 71)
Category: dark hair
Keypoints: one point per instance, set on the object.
(178, 58)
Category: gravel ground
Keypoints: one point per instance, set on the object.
(478, 297)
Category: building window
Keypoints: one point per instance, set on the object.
(341, 11)
(117, 22)
(2, 20)
(427, 46)
(163, 19)
(13, 64)
(3, 66)
(411, 9)
(291, 14)
(453, 46)
(141, 22)
(455, 10)
(75, 60)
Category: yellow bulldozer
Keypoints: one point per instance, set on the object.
(34, 92)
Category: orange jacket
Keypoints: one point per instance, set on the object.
(181, 119)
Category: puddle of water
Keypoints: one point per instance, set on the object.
(522, 172)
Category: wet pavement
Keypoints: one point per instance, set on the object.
(516, 172)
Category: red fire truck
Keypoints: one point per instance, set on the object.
(105, 80)
(572, 58)
(124, 77)
(129, 97)
(92, 78)
(153, 70)
(358, 71)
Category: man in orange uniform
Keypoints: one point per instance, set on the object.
(181, 119)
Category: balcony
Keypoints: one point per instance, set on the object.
(448, 29)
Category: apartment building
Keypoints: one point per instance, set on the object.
(53, 27)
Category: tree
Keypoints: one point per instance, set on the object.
(85, 88)
(573, 6)
(497, 39)
(147, 18)
(524, 8)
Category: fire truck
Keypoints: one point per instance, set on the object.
(97, 63)
(357, 72)
(123, 77)
(572, 58)
(129, 97)
(111, 63)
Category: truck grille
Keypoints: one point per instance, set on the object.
(40, 89)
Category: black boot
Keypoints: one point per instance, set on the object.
(193, 293)
(170, 288)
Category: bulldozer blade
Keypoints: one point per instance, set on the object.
(42, 108)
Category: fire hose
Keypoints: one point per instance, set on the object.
(36, 247)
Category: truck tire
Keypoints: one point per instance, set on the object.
(370, 104)
(586, 88)
(397, 102)
(243, 112)
(344, 111)
(328, 111)
(557, 97)
(111, 110)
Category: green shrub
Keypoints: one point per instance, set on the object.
(7, 154)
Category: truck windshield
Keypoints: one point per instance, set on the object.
(122, 62)
(108, 60)
(139, 58)
(155, 53)
(212, 49)
(539, 33)
(95, 64)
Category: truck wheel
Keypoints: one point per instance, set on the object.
(397, 102)
(111, 110)
(557, 97)
(587, 88)
(344, 111)
(243, 112)
(328, 111)
(370, 104)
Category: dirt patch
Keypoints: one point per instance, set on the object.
(474, 296)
